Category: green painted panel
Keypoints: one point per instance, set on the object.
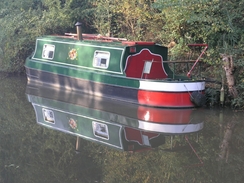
(80, 53)
(83, 125)
(85, 110)
(105, 78)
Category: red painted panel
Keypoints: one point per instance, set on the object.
(135, 65)
(133, 43)
(167, 116)
(135, 135)
(164, 99)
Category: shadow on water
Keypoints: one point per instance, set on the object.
(53, 136)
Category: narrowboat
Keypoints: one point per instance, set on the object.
(131, 71)
(126, 127)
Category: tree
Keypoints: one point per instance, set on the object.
(23, 21)
(217, 23)
(135, 20)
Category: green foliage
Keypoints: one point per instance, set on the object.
(135, 20)
(23, 21)
(217, 23)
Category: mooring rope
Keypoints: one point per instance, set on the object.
(188, 91)
(201, 162)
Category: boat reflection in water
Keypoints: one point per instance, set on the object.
(120, 125)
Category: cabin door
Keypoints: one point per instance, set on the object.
(145, 65)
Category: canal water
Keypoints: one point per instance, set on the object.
(59, 137)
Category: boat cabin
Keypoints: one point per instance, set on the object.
(133, 59)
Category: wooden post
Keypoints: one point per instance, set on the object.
(225, 144)
(228, 66)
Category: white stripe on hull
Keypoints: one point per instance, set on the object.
(172, 86)
(170, 128)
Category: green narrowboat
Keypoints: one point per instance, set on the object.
(123, 126)
(131, 71)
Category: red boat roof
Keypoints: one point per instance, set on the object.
(109, 39)
(133, 43)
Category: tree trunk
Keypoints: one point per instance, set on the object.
(225, 144)
(228, 66)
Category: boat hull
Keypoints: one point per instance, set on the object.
(170, 94)
(85, 108)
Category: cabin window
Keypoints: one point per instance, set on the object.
(48, 51)
(48, 115)
(147, 67)
(100, 130)
(101, 59)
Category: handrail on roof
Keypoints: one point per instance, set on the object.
(203, 51)
(97, 36)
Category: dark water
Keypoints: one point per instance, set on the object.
(32, 152)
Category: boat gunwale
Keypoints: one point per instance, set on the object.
(165, 80)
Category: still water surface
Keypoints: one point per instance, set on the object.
(39, 129)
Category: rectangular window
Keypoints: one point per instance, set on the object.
(101, 59)
(147, 67)
(48, 115)
(48, 51)
(100, 130)
(145, 140)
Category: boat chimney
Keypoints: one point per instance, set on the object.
(79, 31)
